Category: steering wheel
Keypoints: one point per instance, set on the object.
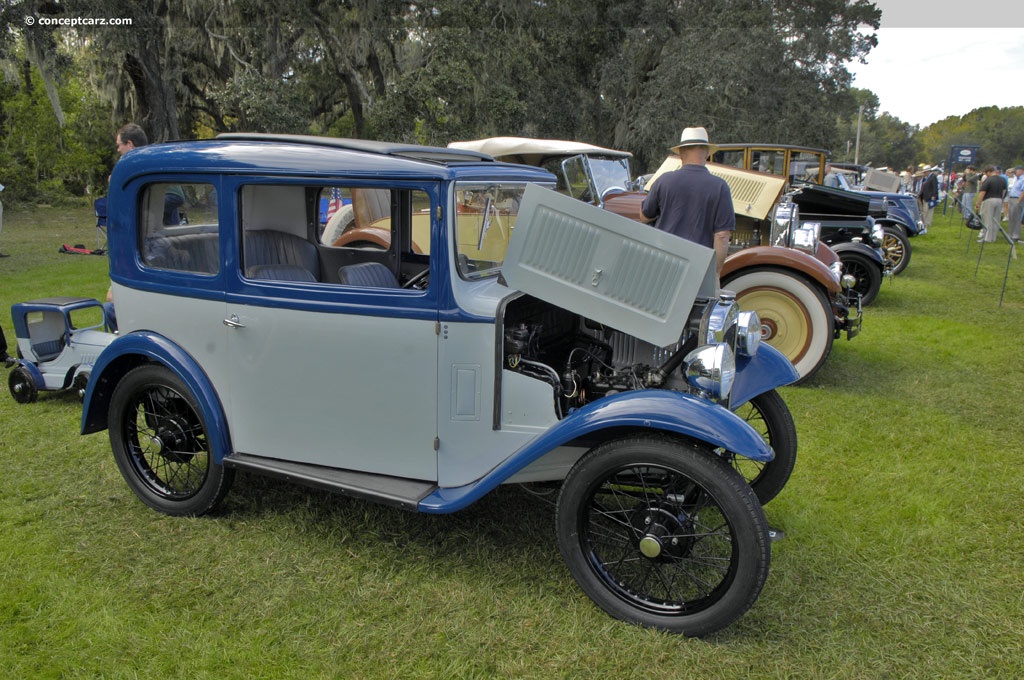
(416, 279)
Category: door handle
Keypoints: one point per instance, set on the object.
(233, 322)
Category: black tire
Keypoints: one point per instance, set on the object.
(796, 317)
(867, 272)
(22, 386)
(79, 385)
(663, 534)
(896, 248)
(768, 414)
(160, 443)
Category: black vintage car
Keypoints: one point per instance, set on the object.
(848, 226)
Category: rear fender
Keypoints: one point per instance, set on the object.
(652, 410)
(134, 349)
(33, 370)
(788, 258)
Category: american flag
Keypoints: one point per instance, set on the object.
(334, 203)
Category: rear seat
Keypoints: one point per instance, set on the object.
(184, 252)
(265, 249)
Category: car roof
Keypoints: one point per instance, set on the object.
(788, 147)
(533, 151)
(414, 151)
(271, 154)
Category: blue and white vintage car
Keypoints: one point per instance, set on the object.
(447, 325)
(58, 339)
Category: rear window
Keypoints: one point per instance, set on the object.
(178, 228)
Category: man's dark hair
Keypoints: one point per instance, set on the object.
(134, 134)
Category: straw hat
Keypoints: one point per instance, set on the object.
(694, 136)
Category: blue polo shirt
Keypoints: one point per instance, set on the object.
(691, 203)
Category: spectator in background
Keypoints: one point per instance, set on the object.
(130, 136)
(928, 197)
(971, 179)
(907, 180)
(691, 202)
(989, 203)
(831, 179)
(1014, 208)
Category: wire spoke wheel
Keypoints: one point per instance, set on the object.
(161, 444)
(658, 539)
(671, 539)
(867, 273)
(768, 414)
(167, 443)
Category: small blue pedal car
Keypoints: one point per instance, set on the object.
(58, 340)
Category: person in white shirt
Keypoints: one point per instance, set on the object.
(1014, 208)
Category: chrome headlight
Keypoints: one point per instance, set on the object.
(712, 370)
(719, 318)
(806, 236)
(748, 333)
(878, 233)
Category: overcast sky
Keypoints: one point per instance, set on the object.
(940, 58)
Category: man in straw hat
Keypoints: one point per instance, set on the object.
(691, 202)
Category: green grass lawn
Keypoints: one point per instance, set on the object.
(903, 555)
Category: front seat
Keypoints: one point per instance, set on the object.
(367, 275)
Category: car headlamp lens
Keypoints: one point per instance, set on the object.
(748, 333)
(719, 319)
(806, 237)
(711, 369)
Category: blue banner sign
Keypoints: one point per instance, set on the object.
(964, 154)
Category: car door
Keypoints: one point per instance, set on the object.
(322, 373)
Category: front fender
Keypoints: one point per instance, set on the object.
(656, 410)
(134, 349)
(898, 219)
(861, 248)
(764, 371)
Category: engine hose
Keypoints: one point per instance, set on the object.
(556, 382)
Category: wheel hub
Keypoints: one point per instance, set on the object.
(660, 531)
(768, 330)
(169, 440)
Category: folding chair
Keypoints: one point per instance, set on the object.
(100, 208)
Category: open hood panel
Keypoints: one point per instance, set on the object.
(754, 194)
(613, 270)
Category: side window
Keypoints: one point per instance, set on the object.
(379, 237)
(806, 167)
(768, 160)
(365, 236)
(178, 228)
(731, 157)
(275, 242)
(357, 217)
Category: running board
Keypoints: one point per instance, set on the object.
(397, 491)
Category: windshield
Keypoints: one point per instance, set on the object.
(486, 215)
(610, 173)
(589, 178)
